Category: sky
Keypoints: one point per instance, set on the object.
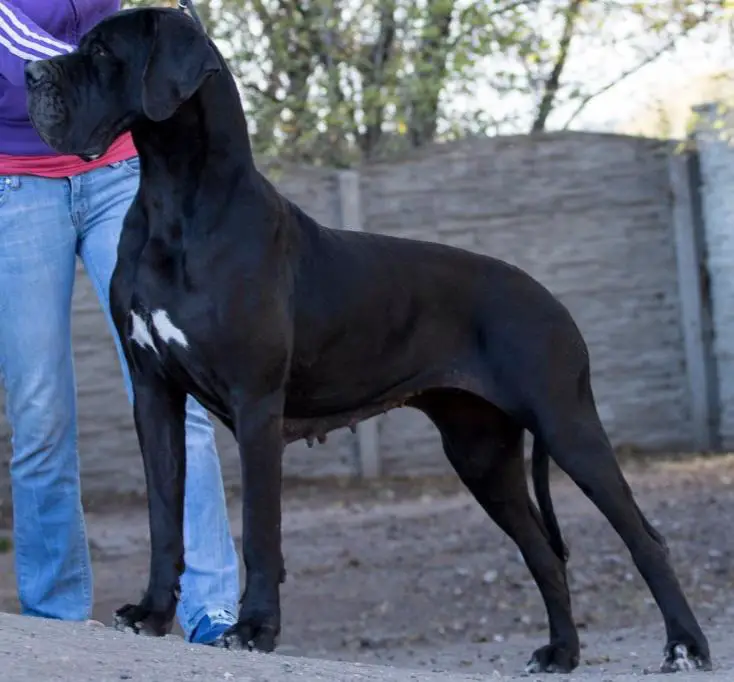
(673, 77)
(692, 60)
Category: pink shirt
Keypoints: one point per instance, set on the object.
(63, 165)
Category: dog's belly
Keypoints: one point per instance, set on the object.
(317, 428)
(312, 416)
(314, 408)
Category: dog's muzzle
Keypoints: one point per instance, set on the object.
(46, 109)
(48, 112)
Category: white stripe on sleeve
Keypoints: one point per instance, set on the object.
(13, 49)
(43, 45)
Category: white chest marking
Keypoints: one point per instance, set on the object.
(166, 330)
(140, 333)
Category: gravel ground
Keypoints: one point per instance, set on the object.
(412, 574)
(34, 650)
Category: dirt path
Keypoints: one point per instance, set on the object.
(33, 650)
(414, 575)
(43, 651)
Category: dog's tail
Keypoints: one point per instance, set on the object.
(541, 483)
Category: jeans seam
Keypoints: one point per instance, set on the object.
(83, 555)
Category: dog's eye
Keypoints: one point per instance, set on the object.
(99, 51)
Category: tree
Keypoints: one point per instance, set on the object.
(340, 81)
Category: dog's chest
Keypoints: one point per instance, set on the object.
(155, 331)
(153, 335)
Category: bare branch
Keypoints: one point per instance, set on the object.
(553, 82)
(262, 93)
(666, 47)
(623, 76)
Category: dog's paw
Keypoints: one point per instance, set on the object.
(140, 620)
(553, 658)
(680, 658)
(251, 637)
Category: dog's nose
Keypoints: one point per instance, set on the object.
(34, 72)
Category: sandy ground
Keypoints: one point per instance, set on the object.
(412, 574)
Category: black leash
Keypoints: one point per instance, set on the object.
(184, 5)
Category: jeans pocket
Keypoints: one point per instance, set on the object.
(7, 184)
(131, 166)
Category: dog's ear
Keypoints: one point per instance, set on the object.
(178, 63)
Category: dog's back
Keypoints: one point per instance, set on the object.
(376, 314)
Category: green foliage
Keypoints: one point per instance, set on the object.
(340, 81)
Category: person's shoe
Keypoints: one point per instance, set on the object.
(211, 627)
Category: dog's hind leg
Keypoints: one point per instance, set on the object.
(485, 448)
(570, 429)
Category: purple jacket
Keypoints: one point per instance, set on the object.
(30, 30)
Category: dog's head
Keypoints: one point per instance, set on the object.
(142, 63)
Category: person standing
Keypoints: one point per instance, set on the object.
(54, 208)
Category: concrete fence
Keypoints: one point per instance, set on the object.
(635, 236)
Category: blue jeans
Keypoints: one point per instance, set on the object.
(44, 225)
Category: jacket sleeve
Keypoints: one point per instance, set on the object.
(22, 41)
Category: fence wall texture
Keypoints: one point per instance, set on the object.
(597, 219)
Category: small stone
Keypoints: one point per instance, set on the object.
(490, 576)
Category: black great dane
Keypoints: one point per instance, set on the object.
(285, 329)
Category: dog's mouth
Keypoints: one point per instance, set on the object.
(51, 122)
(97, 145)
(102, 138)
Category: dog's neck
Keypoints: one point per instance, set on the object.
(198, 127)
(198, 149)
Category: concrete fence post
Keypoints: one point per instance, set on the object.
(692, 290)
(714, 125)
(368, 446)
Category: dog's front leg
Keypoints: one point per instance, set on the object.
(160, 424)
(259, 431)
